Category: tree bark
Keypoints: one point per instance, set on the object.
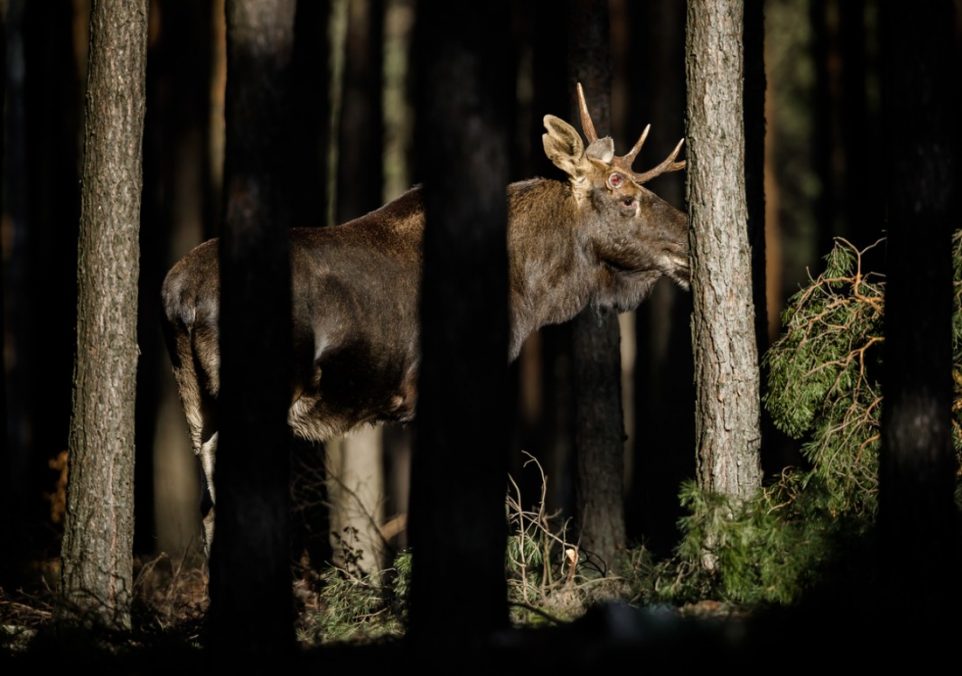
(596, 375)
(917, 513)
(251, 608)
(726, 357)
(98, 535)
(551, 94)
(457, 527)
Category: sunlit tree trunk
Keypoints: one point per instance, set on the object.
(726, 357)
(97, 553)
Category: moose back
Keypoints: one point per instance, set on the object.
(600, 237)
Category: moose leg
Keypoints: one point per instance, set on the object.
(206, 457)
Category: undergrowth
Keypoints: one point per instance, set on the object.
(823, 388)
(548, 580)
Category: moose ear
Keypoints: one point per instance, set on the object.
(602, 150)
(563, 146)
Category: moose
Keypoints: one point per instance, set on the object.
(598, 238)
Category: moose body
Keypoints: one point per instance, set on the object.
(599, 238)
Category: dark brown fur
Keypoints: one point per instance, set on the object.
(356, 287)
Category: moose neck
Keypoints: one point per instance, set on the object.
(551, 275)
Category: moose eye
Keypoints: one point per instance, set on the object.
(615, 180)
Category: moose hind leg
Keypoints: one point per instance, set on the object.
(206, 457)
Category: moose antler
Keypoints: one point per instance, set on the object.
(624, 162)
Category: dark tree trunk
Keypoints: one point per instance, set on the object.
(552, 95)
(458, 529)
(311, 118)
(754, 107)
(664, 373)
(42, 197)
(311, 85)
(917, 513)
(9, 532)
(861, 139)
(251, 609)
(823, 126)
(726, 358)
(596, 376)
(360, 180)
(98, 535)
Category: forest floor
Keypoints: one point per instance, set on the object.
(170, 606)
(348, 623)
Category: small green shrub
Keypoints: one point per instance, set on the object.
(823, 388)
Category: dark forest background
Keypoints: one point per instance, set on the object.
(354, 114)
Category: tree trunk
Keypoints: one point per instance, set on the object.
(599, 427)
(726, 358)
(861, 139)
(357, 480)
(551, 94)
(917, 512)
(664, 382)
(251, 608)
(754, 116)
(98, 535)
(42, 195)
(10, 533)
(458, 528)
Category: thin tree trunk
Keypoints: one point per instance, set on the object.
(357, 487)
(599, 425)
(458, 528)
(552, 95)
(664, 382)
(754, 115)
(98, 536)
(862, 200)
(726, 357)
(9, 531)
(823, 127)
(917, 513)
(251, 609)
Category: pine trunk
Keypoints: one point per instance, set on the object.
(726, 358)
(251, 610)
(596, 375)
(98, 535)
(458, 528)
(917, 471)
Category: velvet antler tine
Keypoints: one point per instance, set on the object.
(668, 165)
(586, 124)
